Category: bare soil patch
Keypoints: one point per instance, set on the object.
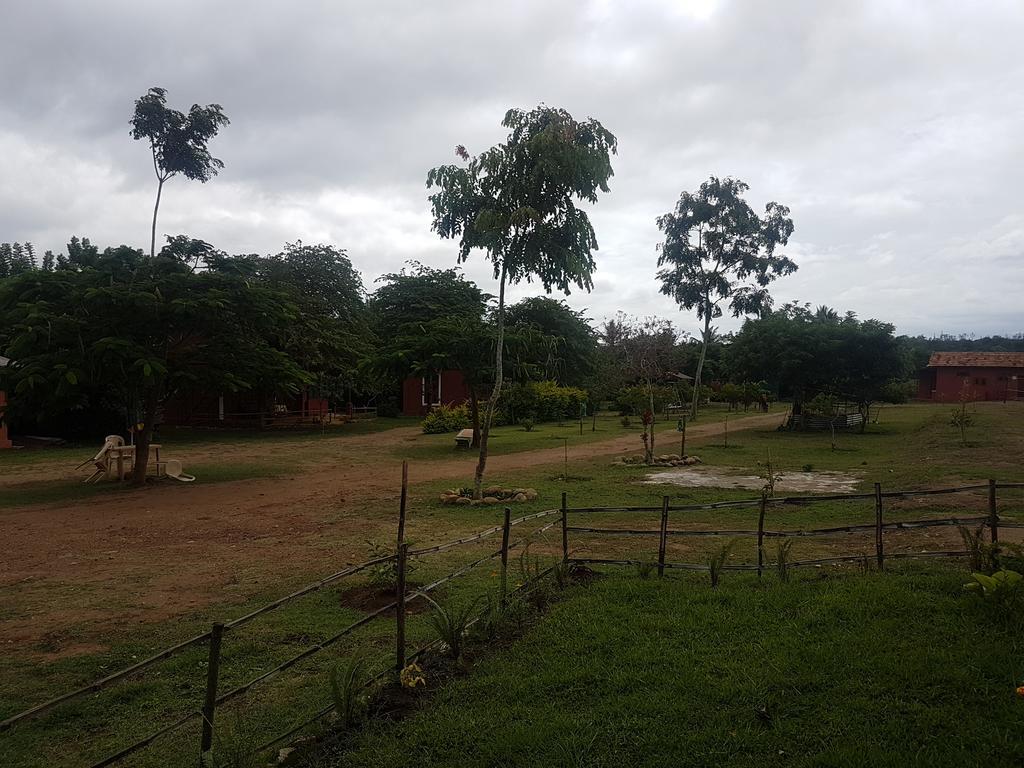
(166, 551)
(731, 477)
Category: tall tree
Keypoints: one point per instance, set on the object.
(140, 329)
(517, 202)
(717, 252)
(571, 357)
(430, 320)
(177, 142)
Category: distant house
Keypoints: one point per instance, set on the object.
(982, 375)
(4, 441)
(421, 393)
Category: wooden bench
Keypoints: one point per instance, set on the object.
(464, 439)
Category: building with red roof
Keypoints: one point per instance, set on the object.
(977, 375)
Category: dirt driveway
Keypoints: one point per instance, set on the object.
(71, 572)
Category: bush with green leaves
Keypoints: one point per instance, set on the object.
(446, 418)
(541, 401)
(1002, 594)
(634, 400)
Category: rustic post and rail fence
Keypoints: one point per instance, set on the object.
(213, 699)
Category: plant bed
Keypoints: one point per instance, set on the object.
(491, 495)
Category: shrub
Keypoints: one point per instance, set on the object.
(626, 422)
(527, 424)
(1002, 594)
(634, 400)
(980, 556)
(451, 624)
(446, 418)
(716, 563)
(541, 401)
(348, 693)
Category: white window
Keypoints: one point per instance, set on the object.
(430, 389)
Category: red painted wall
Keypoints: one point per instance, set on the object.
(453, 392)
(945, 384)
(4, 442)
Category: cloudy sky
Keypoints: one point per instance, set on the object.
(893, 130)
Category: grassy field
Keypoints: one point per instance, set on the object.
(912, 447)
(892, 669)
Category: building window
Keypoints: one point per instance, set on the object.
(430, 389)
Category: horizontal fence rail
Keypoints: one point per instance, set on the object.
(404, 597)
(992, 521)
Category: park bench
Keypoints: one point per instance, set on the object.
(464, 439)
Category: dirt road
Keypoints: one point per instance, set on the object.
(72, 571)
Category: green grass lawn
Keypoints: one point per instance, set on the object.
(912, 447)
(893, 669)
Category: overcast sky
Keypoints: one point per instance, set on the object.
(893, 130)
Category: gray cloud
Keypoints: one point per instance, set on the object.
(890, 128)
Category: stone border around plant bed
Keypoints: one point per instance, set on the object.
(665, 460)
(492, 495)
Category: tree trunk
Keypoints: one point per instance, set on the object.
(654, 420)
(700, 365)
(156, 207)
(145, 436)
(485, 432)
(474, 411)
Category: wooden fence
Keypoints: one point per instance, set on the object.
(213, 698)
(990, 519)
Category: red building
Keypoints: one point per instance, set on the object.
(982, 375)
(421, 393)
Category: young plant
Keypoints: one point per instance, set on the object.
(626, 422)
(384, 576)
(645, 570)
(769, 474)
(960, 418)
(348, 690)
(527, 424)
(234, 747)
(451, 623)
(981, 557)
(782, 559)
(717, 562)
(1002, 594)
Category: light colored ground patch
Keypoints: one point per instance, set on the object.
(728, 477)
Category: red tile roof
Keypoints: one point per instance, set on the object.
(976, 360)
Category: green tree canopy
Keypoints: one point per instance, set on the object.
(140, 329)
(719, 253)
(517, 201)
(571, 355)
(177, 141)
(800, 353)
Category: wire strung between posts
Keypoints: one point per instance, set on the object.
(146, 741)
(481, 535)
(384, 672)
(168, 652)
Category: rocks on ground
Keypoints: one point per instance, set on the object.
(491, 495)
(664, 460)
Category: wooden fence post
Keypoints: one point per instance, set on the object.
(565, 530)
(403, 556)
(505, 531)
(993, 518)
(760, 535)
(879, 547)
(663, 539)
(210, 703)
(402, 503)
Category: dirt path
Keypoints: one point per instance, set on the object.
(71, 572)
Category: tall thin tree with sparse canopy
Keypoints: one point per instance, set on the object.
(717, 252)
(517, 202)
(177, 141)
